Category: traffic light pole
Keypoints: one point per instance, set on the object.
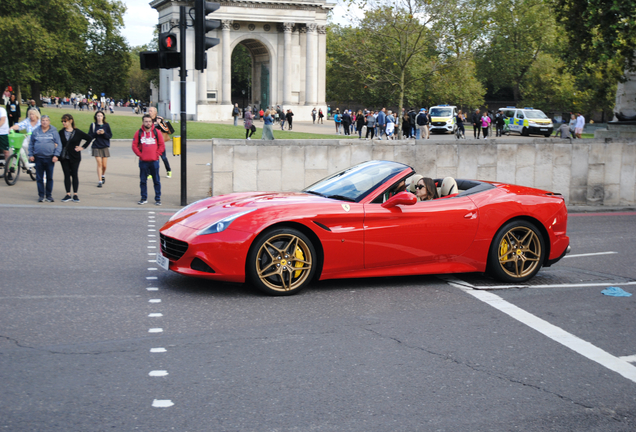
(182, 76)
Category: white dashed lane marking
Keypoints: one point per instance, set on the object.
(162, 403)
(157, 350)
(589, 254)
(155, 315)
(152, 289)
(158, 373)
(155, 330)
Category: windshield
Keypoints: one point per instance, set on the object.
(441, 112)
(536, 114)
(356, 182)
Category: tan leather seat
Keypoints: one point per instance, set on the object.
(413, 183)
(449, 187)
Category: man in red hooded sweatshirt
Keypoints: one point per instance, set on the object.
(149, 146)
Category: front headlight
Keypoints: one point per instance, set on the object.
(222, 225)
(448, 122)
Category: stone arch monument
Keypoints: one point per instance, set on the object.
(287, 43)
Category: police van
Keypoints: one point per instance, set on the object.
(443, 118)
(526, 121)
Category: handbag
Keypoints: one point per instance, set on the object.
(64, 153)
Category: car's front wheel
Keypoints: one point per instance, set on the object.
(517, 252)
(282, 261)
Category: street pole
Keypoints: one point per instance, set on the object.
(182, 77)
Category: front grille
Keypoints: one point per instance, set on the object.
(438, 123)
(172, 249)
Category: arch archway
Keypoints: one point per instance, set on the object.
(259, 88)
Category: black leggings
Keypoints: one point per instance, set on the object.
(247, 132)
(370, 130)
(70, 170)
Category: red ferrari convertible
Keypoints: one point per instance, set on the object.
(361, 222)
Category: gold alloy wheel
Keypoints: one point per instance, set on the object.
(519, 252)
(284, 262)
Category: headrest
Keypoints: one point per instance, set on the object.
(449, 186)
(414, 181)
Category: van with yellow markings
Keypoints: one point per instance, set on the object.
(527, 121)
(443, 118)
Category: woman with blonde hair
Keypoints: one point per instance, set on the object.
(268, 131)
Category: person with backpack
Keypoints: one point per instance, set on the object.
(337, 119)
(422, 124)
(101, 134)
(148, 145)
(235, 114)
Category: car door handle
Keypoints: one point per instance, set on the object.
(470, 215)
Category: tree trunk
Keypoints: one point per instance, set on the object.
(35, 93)
(398, 123)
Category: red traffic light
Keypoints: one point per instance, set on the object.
(167, 42)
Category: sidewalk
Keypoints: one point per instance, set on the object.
(121, 189)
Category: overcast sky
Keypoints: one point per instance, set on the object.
(140, 21)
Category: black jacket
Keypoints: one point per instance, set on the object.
(76, 139)
(476, 119)
(13, 115)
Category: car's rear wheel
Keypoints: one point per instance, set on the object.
(524, 132)
(282, 261)
(517, 252)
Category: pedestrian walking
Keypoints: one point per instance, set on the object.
(101, 134)
(289, 116)
(268, 132)
(148, 145)
(71, 155)
(476, 123)
(13, 111)
(321, 116)
(44, 150)
(580, 124)
(485, 124)
(235, 114)
(248, 122)
(370, 125)
(313, 115)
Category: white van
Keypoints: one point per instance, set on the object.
(526, 121)
(443, 118)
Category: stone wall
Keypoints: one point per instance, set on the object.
(587, 172)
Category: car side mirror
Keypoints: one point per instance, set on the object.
(402, 198)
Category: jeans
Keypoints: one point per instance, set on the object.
(145, 169)
(418, 133)
(235, 120)
(164, 158)
(44, 165)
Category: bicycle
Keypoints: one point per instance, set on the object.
(458, 134)
(16, 162)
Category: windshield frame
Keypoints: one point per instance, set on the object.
(442, 109)
(357, 182)
(530, 117)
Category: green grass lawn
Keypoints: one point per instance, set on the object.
(125, 126)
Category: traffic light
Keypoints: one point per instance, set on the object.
(149, 60)
(169, 57)
(201, 26)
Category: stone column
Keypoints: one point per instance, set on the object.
(287, 29)
(310, 80)
(226, 90)
(322, 67)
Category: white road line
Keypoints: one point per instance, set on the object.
(154, 301)
(151, 247)
(155, 315)
(152, 289)
(152, 261)
(589, 254)
(151, 226)
(152, 241)
(152, 230)
(151, 212)
(158, 373)
(162, 403)
(555, 333)
(155, 330)
(631, 359)
(581, 285)
(158, 350)
(151, 277)
(153, 253)
(152, 235)
(152, 268)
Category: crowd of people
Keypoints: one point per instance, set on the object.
(43, 146)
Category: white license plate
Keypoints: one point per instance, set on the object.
(163, 261)
(543, 130)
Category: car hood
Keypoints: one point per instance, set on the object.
(205, 212)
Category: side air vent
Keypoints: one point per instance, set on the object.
(199, 265)
(325, 227)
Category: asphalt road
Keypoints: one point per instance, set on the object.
(80, 313)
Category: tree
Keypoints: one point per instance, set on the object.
(599, 30)
(47, 44)
(518, 33)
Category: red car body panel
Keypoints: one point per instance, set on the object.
(365, 239)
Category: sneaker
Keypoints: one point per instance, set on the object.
(99, 184)
(75, 198)
(149, 176)
(249, 138)
(142, 202)
(169, 174)
(103, 179)
(49, 199)
(40, 199)
(158, 203)
(67, 198)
